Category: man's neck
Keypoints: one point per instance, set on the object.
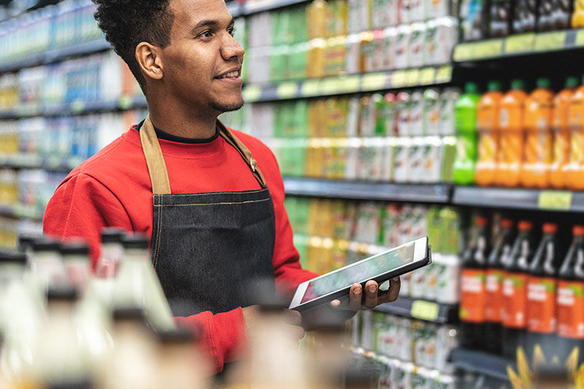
(182, 123)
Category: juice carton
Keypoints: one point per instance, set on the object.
(431, 112)
(488, 116)
(448, 289)
(337, 18)
(390, 218)
(437, 9)
(416, 113)
(384, 114)
(554, 14)
(401, 159)
(353, 54)
(466, 151)
(525, 16)
(501, 18)
(316, 15)
(416, 11)
(403, 11)
(372, 51)
(402, 46)
(416, 45)
(561, 128)
(366, 116)
(370, 159)
(359, 15)
(575, 169)
(335, 56)
(317, 118)
(315, 58)
(451, 227)
(366, 50)
(336, 117)
(539, 136)
(403, 114)
(368, 223)
(416, 160)
(381, 16)
(353, 116)
(388, 46)
(512, 135)
(433, 159)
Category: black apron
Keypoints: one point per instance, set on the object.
(208, 249)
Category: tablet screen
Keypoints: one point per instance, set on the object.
(359, 272)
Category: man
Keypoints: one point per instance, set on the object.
(211, 199)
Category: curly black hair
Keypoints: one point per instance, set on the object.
(126, 23)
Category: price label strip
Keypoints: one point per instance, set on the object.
(252, 93)
(427, 76)
(519, 43)
(464, 52)
(373, 81)
(425, 310)
(310, 88)
(398, 79)
(330, 86)
(413, 77)
(444, 74)
(555, 200)
(580, 38)
(488, 49)
(349, 84)
(287, 90)
(550, 41)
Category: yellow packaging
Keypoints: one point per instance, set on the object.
(336, 117)
(317, 118)
(316, 19)
(335, 55)
(366, 49)
(315, 58)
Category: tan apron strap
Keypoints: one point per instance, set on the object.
(154, 159)
(244, 151)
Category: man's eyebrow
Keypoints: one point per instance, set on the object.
(210, 23)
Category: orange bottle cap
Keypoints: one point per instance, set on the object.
(578, 230)
(550, 228)
(481, 221)
(507, 223)
(524, 225)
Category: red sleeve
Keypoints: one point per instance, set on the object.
(224, 334)
(289, 274)
(81, 207)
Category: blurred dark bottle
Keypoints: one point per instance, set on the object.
(541, 293)
(501, 18)
(494, 288)
(472, 296)
(516, 265)
(555, 14)
(526, 15)
(570, 298)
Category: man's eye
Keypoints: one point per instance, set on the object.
(231, 31)
(206, 34)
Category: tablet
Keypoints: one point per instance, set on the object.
(380, 267)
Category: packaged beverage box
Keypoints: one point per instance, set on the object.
(447, 340)
(315, 158)
(416, 44)
(526, 16)
(382, 111)
(367, 330)
(434, 159)
(366, 51)
(402, 46)
(335, 56)
(340, 151)
(259, 59)
(401, 159)
(279, 63)
(367, 223)
(416, 113)
(366, 116)
(353, 54)
(298, 31)
(441, 35)
(262, 119)
(439, 8)
(30, 83)
(315, 58)
(370, 159)
(390, 232)
(381, 13)
(388, 48)
(430, 287)
(299, 119)
(416, 160)
(317, 114)
(403, 11)
(30, 134)
(403, 108)
(281, 27)
(473, 19)
(297, 60)
(337, 18)
(359, 15)
(387, 146)
(377, 59)
(352, 158)
(405, 339)
(301, 244)
(450, 231)
(316, 23)
(416, 11)
(555, 14)
(448, 288)
(340, 223)
(431, 112)
(501, 18)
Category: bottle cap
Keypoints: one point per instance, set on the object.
(84, 383)
(571, 82)
(550, 228)
(543, 83)
(135, 241)
(582, 79)
(471, 87)
(129, 313)
(517, 84)
(75, 247)
(494, 86)
(578, 230)
(45, 244)
(112, 235)
(525, 225)
(25, 241)
(179, 335)
(62, 292)
(507, 223)
(481, 221)
(12, 257)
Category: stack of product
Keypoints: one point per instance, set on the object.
(517, 139)
(348, 36)
(498, 18)
(522, 286)
(53, 27)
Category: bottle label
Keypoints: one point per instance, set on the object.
(570, 306)
(494, 295)
(472, 296)
(541, 305)
(514, 300)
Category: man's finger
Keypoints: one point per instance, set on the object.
(336, 303)
(294, 318)
(371, 290)
(355, 297)
(394, 288)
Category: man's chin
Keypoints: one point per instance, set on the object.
(228, 107)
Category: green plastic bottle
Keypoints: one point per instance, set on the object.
(465, 112)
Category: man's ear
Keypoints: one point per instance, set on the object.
(149, 59)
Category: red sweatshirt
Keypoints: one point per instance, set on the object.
(113, 188)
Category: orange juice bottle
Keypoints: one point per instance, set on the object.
(512, 135)
(538, 136)
(488, 118)
(575, 168)
(561, 128)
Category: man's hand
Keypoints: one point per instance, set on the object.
(291, 319)
(372, 296)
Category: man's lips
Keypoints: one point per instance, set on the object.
(232, 74)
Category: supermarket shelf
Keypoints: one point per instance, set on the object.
(24, 161)
(366, 82)
(521, 44)
(21, 212)
(421, 193)
(527, 199)
(55, 55)
(482, 363)
(266, 5)
(421, 310)
(75, 108)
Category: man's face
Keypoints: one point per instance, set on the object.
(202, 64)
